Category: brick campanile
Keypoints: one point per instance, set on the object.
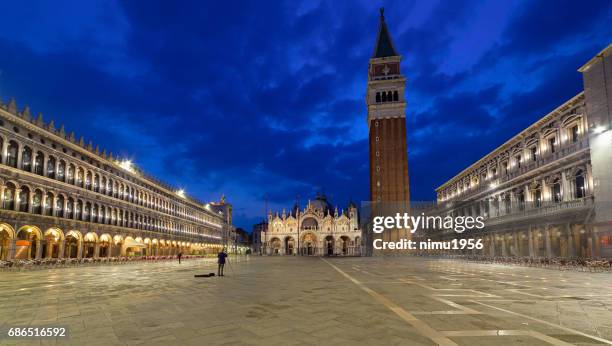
(386, 104)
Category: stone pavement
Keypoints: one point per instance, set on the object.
(311, 301)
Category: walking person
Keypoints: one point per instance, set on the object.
(180, 255)
(221, 261)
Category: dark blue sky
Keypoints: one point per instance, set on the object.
(267, 97)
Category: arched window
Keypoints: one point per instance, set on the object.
(556, 191)
(537, 196)
(86, 211)
(70, 174)
(395, 96)
(26, 159)
(389, 96)
(520, 198)
(69, 208)
(24, 199)
(80, 177)
(48, 206)
(94, 212)
(61, 170)
(37, 202)
(78, 211)
(9, 197)
(88, 181)
(39, 163)
(579, 184)
(51, 167)
(378, 97)
(96, 183)
(59, 206)
(384, 96)
(103, 185)
(11, 154)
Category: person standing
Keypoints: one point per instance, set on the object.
(180, 255)
(221, 261)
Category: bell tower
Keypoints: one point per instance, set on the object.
(385, 99)
(387, 121)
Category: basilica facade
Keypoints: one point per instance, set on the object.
(317, 230)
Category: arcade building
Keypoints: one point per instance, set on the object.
(547, 191)
(62, 198)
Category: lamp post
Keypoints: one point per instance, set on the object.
(297, 214)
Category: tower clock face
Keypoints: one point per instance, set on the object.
(386, 69)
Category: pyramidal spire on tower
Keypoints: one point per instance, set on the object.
(384, 45)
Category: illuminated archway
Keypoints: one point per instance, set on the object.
(90, 243)
(105, 245)
(28, 242)
(7, 235)
(54, 238)
(73, 244)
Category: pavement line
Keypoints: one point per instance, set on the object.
(534, 334)
(547, 323)
(419, 325)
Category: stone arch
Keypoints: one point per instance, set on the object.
(289, 245)
(90, 245)
(275, 246)
(132, 247)
(105, 245)
(7, 236)
(345, 245)
(308, 244)
(53, 241)
(27, 244)
(73, 244)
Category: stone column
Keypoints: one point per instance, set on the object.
(19, 158)
(532, 249)
(503, 246)
(548, 242)
(2, 188)
(565, 186)
(4, 151)
(492, 242)
(80, 248)
(43, 203)
(54, 205)
(516, 244)
(38, 248)
(30, 201)
(528, 198)
(16, 199)
(571, 252)
(60, 252)
(65, 206)
(11, 249)
(44, 165)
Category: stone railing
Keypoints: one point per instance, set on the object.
(541, 161)
(530, 209)
(546, 159)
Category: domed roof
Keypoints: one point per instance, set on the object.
(321, 203)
